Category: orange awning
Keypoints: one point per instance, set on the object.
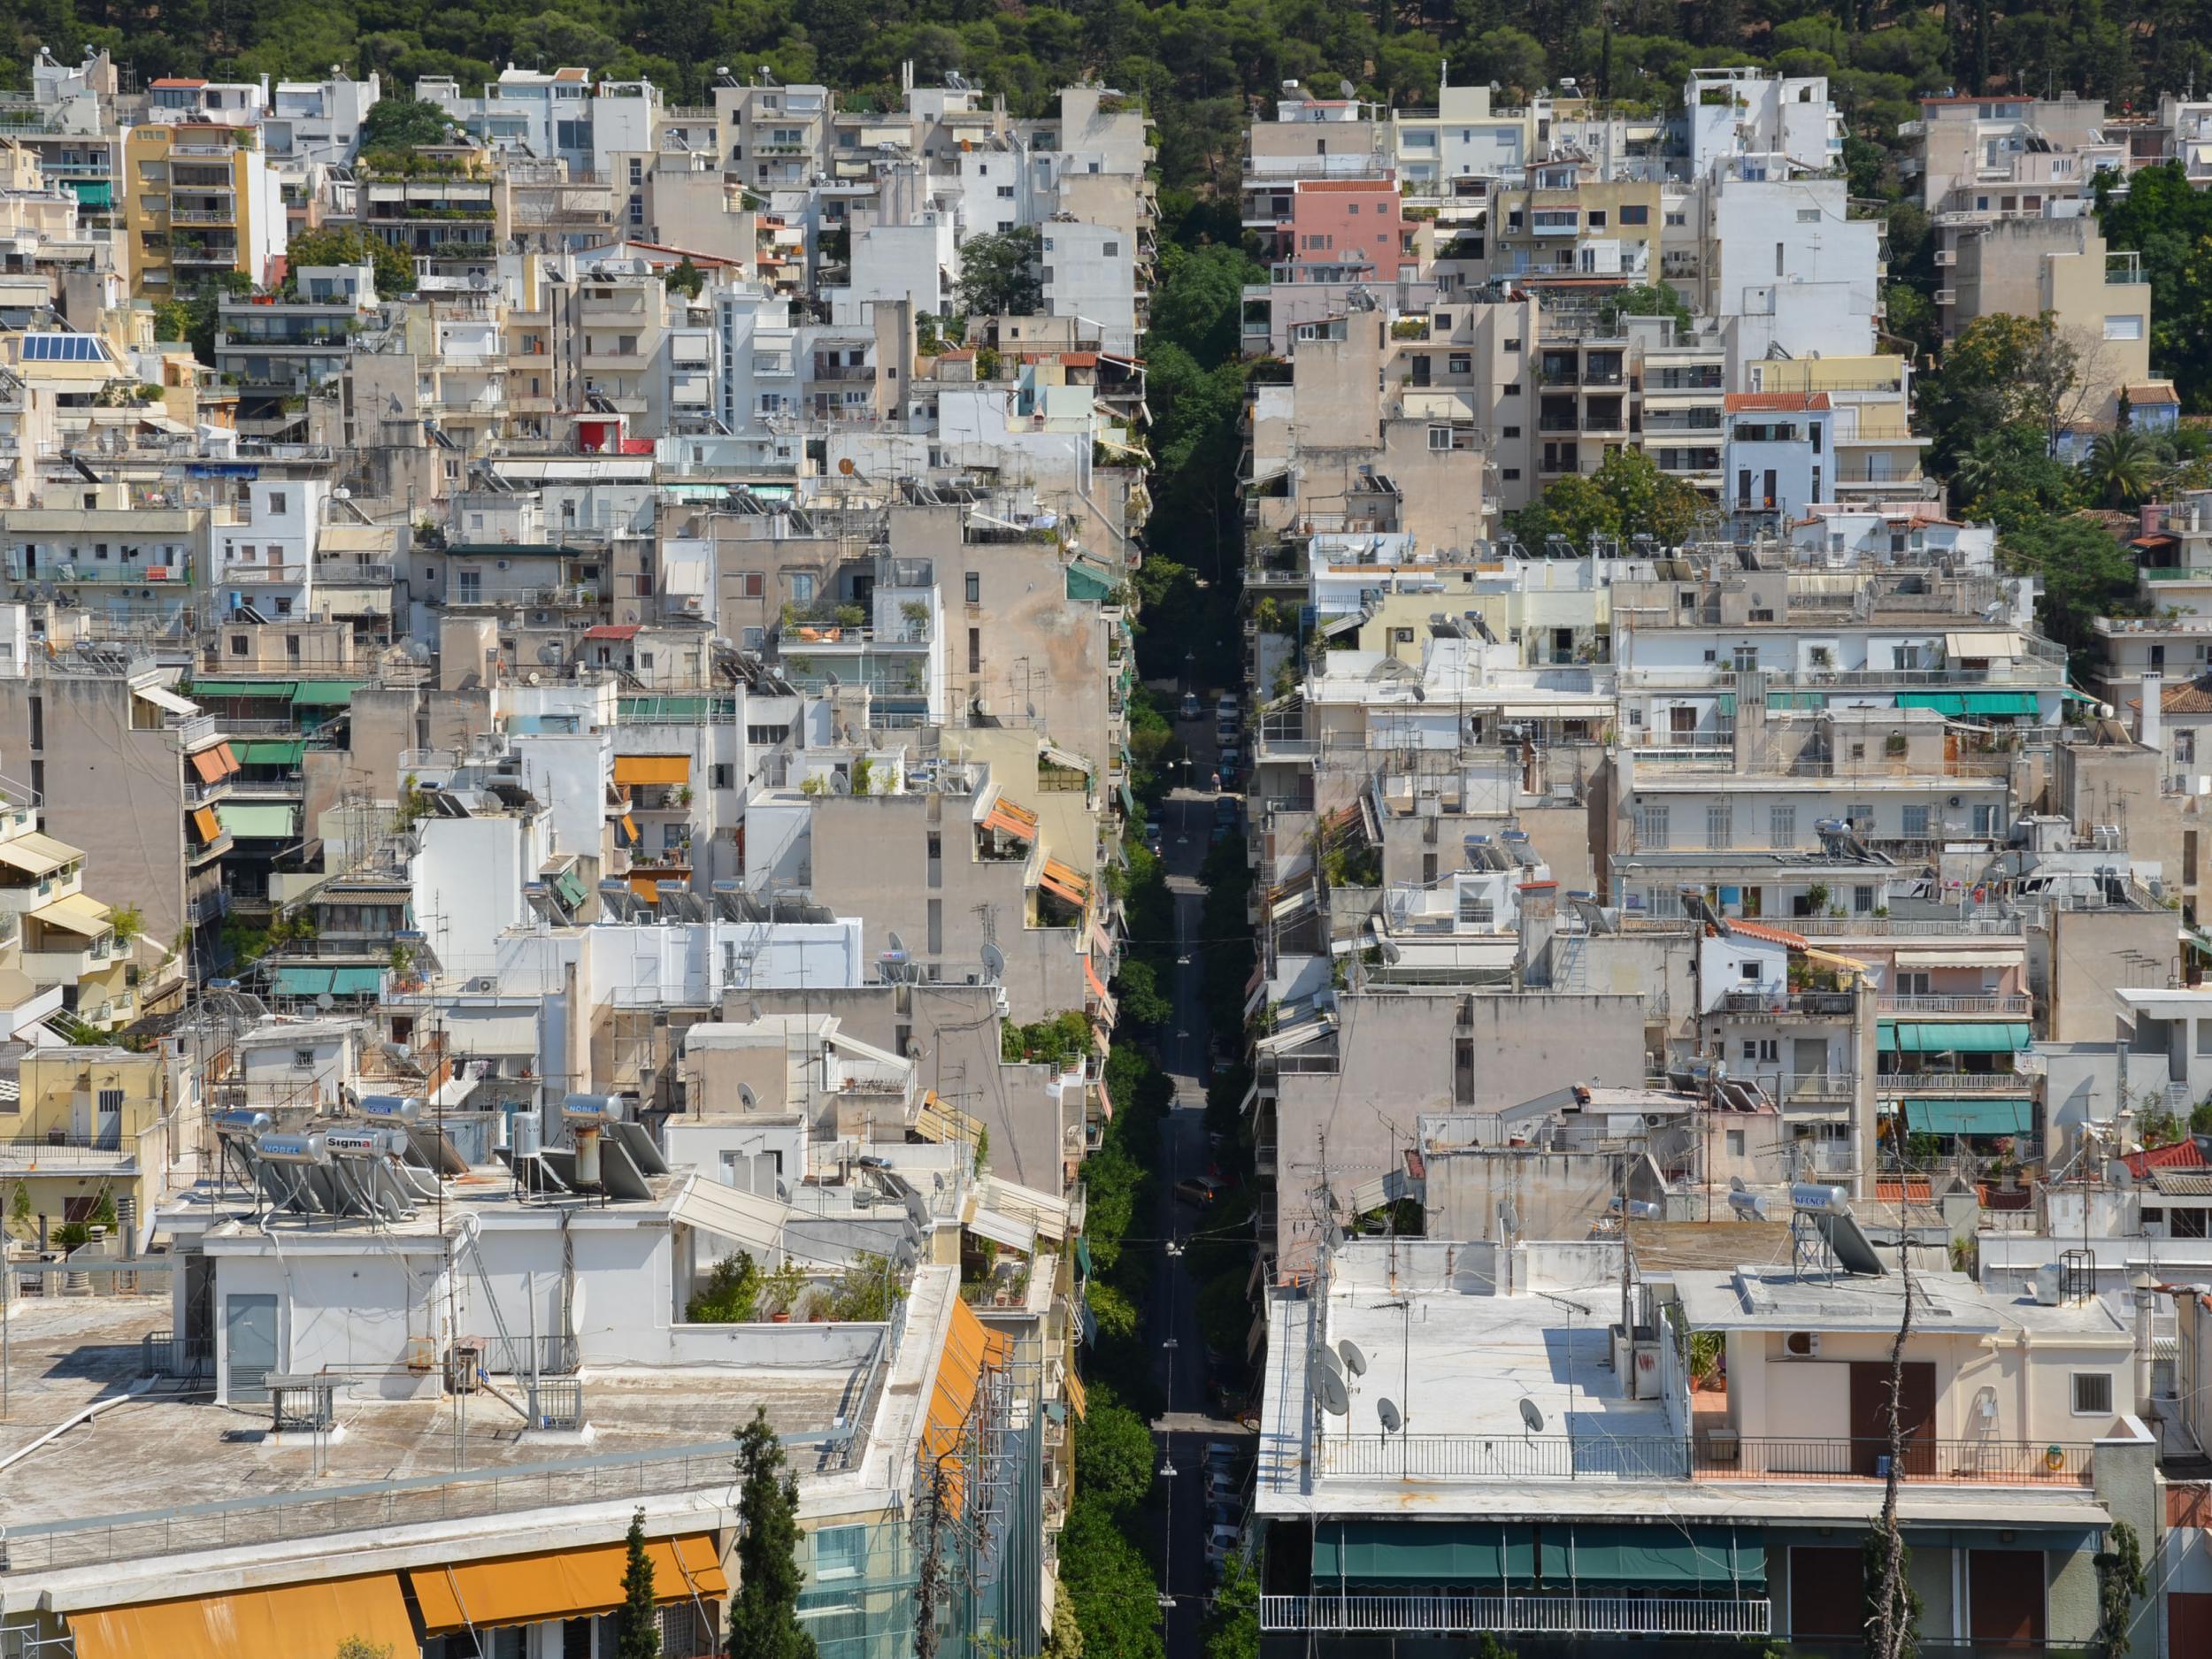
(1016, 821)
(1105, 1101)
(629, 829)
(215, 764)
(968, 1350)
(1076, 1396)
(661, 769)
(1058, 877)
(560, 1584)
(294, 1618)
(204, 821)
(1091, 979)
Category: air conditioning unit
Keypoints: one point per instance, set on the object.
(1801, 1345)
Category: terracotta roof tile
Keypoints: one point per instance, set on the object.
(1791, 401)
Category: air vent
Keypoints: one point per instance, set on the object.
(1802, 1345)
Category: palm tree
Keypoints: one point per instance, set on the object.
(2123, 466)
(1979, 467)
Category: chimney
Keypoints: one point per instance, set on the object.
(1540, 920)
(2148, 731)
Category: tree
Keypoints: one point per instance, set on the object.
(1137, 989)
(1109, 1584)
(637, 1626)
(2009, 478)
(2168, 223)
(1657, 300)
(685, 278)
(765, 1612)
(1199, 301)
(1113, 1454)
(2120, 1585)
(2003, 370)
(359, 1648)
(399, 122)
(867, 1293)
(1628, 495)
(1233, 1622)
(2086, 574)
(2121, 467)
(351, 245)
(731, 1295)
(999, 275)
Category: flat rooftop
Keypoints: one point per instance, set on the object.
(151, 1444)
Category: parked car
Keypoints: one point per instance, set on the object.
(1201, 1190)
(1227, 707)
(1152, 835)
(1191, 707)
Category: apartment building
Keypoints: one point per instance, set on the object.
(198, 197)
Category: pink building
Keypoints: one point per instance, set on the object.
(1343, 228)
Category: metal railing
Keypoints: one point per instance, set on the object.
(1954, 1083)
(1822, 1004)
(2019, 1007)
(284, 1518)
(1970, 1463)
(1558, 1615)
(1507, 1456)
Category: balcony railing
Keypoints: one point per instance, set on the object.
(1547, 1615)
(1505, 1457)
(2015, 1006)
(1806, 1004)
(1968, 1462)
(1954, 1083)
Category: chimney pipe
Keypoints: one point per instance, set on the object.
(2148, 729)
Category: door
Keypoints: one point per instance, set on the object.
(1825, 1595)
(1869, 1416)
(2004, 1593)
(249, 1345)
(1808, 1060)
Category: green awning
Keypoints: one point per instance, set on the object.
(1418, 1552)
(1128, 800)
(1085, 583)
(1797, 699)
(356, 981)
(1082, 1255)
(259, 820)
(1962, 703)
(1661, 1555)
(269, 751)
(1998, 1114)
(680, 711)
(570, 887)
(300, 982)
(283, 688)
(93, 192)
(326, 694)
(1960, 1036)
(1728, 703)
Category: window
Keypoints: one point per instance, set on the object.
(755, 639)
(2123, 327)
(1720, 825)
(1917, 823)
(1512, 345)
(1512, 388)
(276, 503)
(1862, 900)
(1006, 193)
(1112, 251)
(1749, 971)
(1512, 432)
(975, 587)
(1513, 473)
(2092, 1393)
(1860, 815)
(1476, 908)
(237, 645)
(754, 584)
(1439, 437)
(802, 588)
(718, 775)
(975, 650)
(1635, 215)
(839, 1552)
(1808, 216)
(1651, 828)
(1735, 1143)
(1782, 826)
(2186, 747)
(302, 1059)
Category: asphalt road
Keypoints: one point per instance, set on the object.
(1171, 1318)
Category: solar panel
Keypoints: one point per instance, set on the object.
(61, 349)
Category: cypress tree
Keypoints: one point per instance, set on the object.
(764, 1611)
(636, 1624)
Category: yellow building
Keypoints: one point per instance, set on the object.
(89, 1124)
(199, 201)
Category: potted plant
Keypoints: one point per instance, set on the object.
(783, 1289)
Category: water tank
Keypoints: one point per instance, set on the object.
(592, 1108)
(363, 1143)
(246, 1124)
(526, 1135)
(309, 1148)
(1829, 1200)
(2050, 1284)
(391, 1108)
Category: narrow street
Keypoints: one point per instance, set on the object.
(1172, 1319)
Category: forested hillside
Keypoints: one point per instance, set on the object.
(1198, 64)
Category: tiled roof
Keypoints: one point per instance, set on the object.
(2179, 1155)
(1779, 401)
(1772, 935)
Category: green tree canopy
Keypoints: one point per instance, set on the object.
(397, 121)
(637, 1626)
(1628, 495)
(1000, 273)
(1113, 1454)
(731, 1295)
(350, 245)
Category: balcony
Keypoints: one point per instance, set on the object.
(1755, 1004)
(1722, 1455)
(62, 1154)
(2008, 1007)
(1546, 1615)
(1954, 1083)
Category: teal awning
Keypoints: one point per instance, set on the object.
(93, 192)
(300, 982)
(677, 710)
(1082, 1255)
(1998, 1115)
(356, 981)
(1128, 800)
(1797, 699)
(570, 886)
(283, 688)
(1085, 583)
(326, 694)
(1958, 1036)
(2015, 703)
(269, 751)
(1662, 1557)
(1728, 703)
(1418, 1552)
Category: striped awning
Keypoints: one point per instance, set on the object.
(1060, 879)
(1010, 819)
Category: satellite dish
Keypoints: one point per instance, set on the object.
(1327, 1356)
(1531, 1419)
(840, 784)
(1391, 954)
(896, 943)
(747, 1098)
(1735, 1183)
(994, 963)
(1354, 1361)
(845, 465)
(1393, 1419)
(325, 1002)
(1348, 89)
(1329, 1392)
